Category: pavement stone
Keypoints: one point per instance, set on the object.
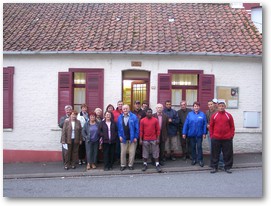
(56, 169)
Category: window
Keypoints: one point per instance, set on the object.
(189, 85)
(8, 73)
(80, 86)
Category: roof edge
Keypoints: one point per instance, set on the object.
(132, 53)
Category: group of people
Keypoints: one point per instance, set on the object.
(142, 133)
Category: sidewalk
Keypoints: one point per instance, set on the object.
(56, 169)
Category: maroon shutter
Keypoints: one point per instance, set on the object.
(164, 88)
(8, 73)
(206, 90)
(64, 92)
(95, 89)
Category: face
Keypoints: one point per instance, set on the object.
(211, 105)
(221, 107)
(98, 113)
(149, 114)
(183, 105)
(168, 105)
(92, 118)
(68, 111)
(84, 109)
(110, 109)
(107, 115)
(144, 106)
(196, 107)
(159, 108)
(120, 104)
(137, 106)
(73, 116)
(125, 109)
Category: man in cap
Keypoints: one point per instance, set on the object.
(222, 131)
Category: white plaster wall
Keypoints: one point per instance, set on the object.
(36, 90)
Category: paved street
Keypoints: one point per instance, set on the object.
(244, 182)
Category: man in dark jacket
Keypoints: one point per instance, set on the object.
(182, 113)
(173, 119)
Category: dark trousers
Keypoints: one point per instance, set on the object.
(117, 150)
(227, 149)
(162, 146)
(196, 148)
(82, 151)
(72, 154)
(108, 153)
(185, 144)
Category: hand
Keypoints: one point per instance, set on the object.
(157, 141)
(204, 136)
(120, 139)
(80, 142)
(184, 136)
(135, 140)
(100, 147)
(140, 141)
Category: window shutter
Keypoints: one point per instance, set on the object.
(95, 89)
(164, 88)
(8, 73)
(64, 92)
(206, 90)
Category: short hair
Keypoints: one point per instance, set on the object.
(167, 101)
(68, 107)
(149, 109)
(196, 103)
(84, 105)
(92, 114)
(98, 109)
(74, 112)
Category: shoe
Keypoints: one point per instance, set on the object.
(83, 162)
(93, 166)
(122, 168)
(184, 158)
(106, 169)
(164, 159)
(144, 168)
(201, 163)
(193, 162)
(228, 171)
(110, 168)
(214, 170)
(66, 168)
(162, 163)
(158, 168)
(131, 168)
(172, 158)
(80, 162)
(88, 166)
(73, 167)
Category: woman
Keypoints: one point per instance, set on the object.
(99, 114)
(90, 133)
(195, 129)
(72, 136)
(108, 132)
(110, 108)
(83, 118)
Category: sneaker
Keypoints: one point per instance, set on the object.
(158, 168)
(144, 168)
(80, 162)
(73, 167)
(201, 163)
(122, 168)
(83, 162)
(106, 169)
(193, 162)
(172, 158)
(66, 168)
(131, 168)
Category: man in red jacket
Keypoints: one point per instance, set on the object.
(149, 139)
(222, 133)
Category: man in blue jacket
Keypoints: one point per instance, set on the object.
(195, 129)
(128, 131)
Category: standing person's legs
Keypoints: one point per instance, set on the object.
(82, 153)
(74, 154)
(132, 149)
(227, 150)
(193, 143)
(210, 147)
(111, 155)
(95, 153)
(184, 147)
(216, 147)
(123, 151)
(199, 149)
(106, 155)
(68, 155)
(87, 146)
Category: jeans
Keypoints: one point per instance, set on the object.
(196, 148)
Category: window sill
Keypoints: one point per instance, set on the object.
(8, 130)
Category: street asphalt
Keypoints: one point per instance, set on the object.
(56, 169)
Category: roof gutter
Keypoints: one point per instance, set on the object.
(132, 53)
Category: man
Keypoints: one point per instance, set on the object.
(149, 139)
(68, 109)
(182, 113)
(173, 119)
(128, 131)
(140, 115)
(222, 131)
(163, 124)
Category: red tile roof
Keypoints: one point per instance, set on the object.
(112, 27)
